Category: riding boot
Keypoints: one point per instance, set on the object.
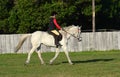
(57, 41)
(60, 37)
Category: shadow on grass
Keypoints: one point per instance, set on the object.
(88, 61)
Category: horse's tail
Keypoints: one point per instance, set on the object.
(21, 41)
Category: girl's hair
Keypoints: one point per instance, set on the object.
(54, 13)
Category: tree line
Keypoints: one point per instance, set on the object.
(26, 16)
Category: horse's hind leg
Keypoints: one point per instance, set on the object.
(39, 54)
(29, 54)
(56, 54)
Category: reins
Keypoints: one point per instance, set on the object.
(70, 33)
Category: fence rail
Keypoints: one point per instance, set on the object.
(90, 41)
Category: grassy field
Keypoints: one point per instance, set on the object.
(86, 64)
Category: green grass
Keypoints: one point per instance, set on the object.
(86, 64)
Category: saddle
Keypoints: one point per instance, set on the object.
(59, 36)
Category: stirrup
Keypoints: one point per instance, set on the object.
(58, 45)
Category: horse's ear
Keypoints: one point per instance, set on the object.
(81, 26)
(73, 25)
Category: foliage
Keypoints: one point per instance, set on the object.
(109, 14)
(32, 17)
(26, 16)
(5, 7)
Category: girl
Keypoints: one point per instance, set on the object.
(52, 29)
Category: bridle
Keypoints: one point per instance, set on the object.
(77, 37)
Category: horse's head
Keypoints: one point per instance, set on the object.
(74, 31)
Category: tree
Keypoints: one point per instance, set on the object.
(93, 15)
(5, 7)
(26, 16)
(109, 15)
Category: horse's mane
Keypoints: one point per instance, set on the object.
(67, 28)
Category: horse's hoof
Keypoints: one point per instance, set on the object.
(43, 63)
(25, 64)
(71, 63)
(50, 63)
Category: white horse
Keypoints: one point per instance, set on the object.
(40, 37)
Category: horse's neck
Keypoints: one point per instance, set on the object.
(65, 34)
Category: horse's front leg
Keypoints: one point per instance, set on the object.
(67, 54)
(56, 54)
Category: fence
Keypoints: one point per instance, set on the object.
(90, 41)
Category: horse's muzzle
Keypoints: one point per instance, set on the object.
(79, 39)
